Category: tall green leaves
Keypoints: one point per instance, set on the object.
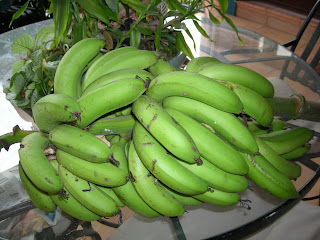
(61, 9)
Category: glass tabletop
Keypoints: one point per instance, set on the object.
(257, 208)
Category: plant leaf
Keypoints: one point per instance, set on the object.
(200, 29)
(44, 33)
(135, 38)
(23, 44)
(223, 5)
(60, 18)
(213, 18)
(190, 35)
(158, 34)
(147, 31)
(19, 12)
(113, 5)
(17, 66)
(182, 45)
(17, 84)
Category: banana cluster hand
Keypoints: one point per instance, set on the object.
(176, 138)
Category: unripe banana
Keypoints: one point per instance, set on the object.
(258, 129)
(226, 125)
(185, 200)
(112, 125)
(296, 153)
(266, 176)
(150, 190)
(284, 141)
(116, 94)
(240, 75)
(80, 143)
(35, 164)
(218, 197)
(198, 62)
(290, 169)
(168, 132)
(110, 193)
(254, 104)
(116, 75)
(38, 197)
(211, 146)
(127, 193)
(54, 109)
(88, 194)
(141, 59)
(104, 174)
(164, 166)
(194, 86)
(217, 178)
(72, 206)
(103, 63)
(68, 74)
(161, 67)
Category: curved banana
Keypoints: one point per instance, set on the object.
(254, 104)
(116, 75)
(141, 59)
(224, 124)
(127, 193)
(296, 153)
(194, 86)
(54, 109)
(161, 67)
(213, 148)
(258, 129)
(266, 176)
(198, 62)
(67, 78)
(164, 166)
(102, 62)
(218, 197)
(240, 75)
(284, 141)
(150, 190)
(38, 197)
(116, 94)
(112, 125)
(88, 194)
(80, 143)
(168, 132)
(70, 205)
(35, 164)
(217, 178)
(110, 193)
(291, 169)
(185, 200)
(104, 174)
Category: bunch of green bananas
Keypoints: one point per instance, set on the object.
(172, 137)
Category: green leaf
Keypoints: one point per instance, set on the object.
(44, 33)
(200, 29)
(60, 18)
(173, 13)
(18, 82)
(147, 31)
(223, 5)
(27, 72)
(113, 5)
(37, 58)
(78, 32)
(19, 12)
(229, 21)
(190, 35)
(213, 18)
(182, 45)
(23, 44)
(34, 97)
(135, 38)
(50, 69)
(17, 66)
(158, 35)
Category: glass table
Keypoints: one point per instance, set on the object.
(258, 209)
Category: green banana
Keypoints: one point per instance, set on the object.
(80, 143)
(212, 147)
(150, 190)
(218, 197)
(266, 176)
(88, 194)
(103, 174)
(198, 62)
(298, 152)
(185, 200)
(224, 124)
(217, 178)
(240, 75)
(38, 197)
(72, 206)
(110, 193)
(112, 125)
(127, 193)
(254, 104)
(116, 75)
(258, 129)
(92, 61)
(291, 169)
(161, 67)
(141, 59)
(164, 166)
(194, 86)
(117, 94)
(67, 78)
(35, 164)
(284, 141)
(103, 63)
(161, 125)
(54, 109)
